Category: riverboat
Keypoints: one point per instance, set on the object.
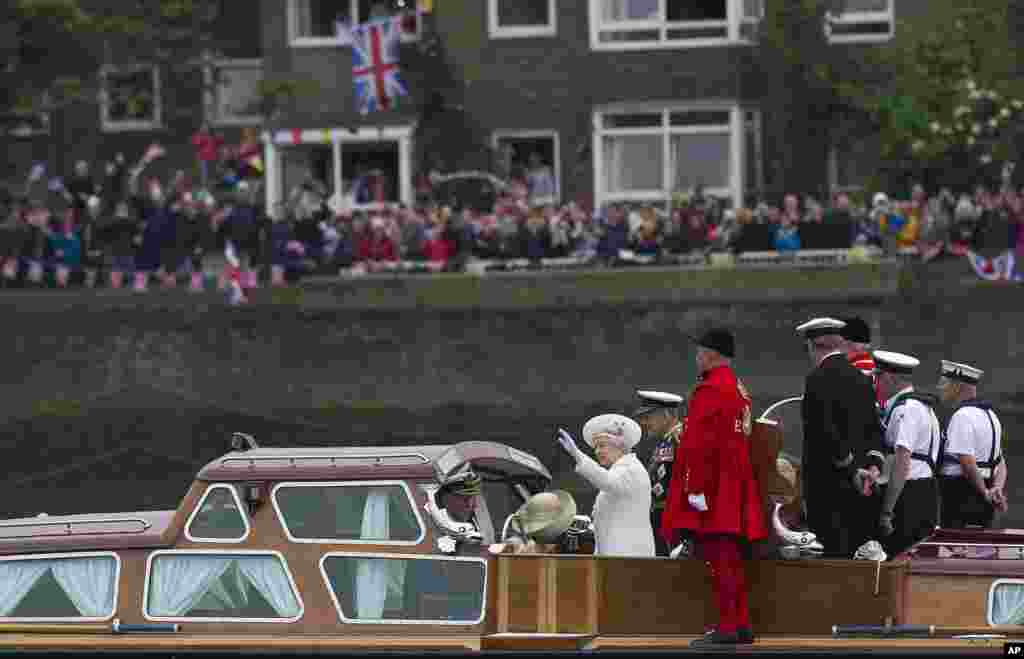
(345, 549)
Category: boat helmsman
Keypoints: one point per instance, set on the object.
(659, 416)
(973, 472)
(913, 440)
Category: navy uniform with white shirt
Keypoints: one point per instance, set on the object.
(662, 456)
(910, 502)
(974, 430)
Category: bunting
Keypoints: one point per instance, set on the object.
(999, 268)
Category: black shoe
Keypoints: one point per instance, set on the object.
(715, 638)
(745, 635)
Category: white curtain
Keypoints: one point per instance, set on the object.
(16, 579)
(633, 162)
(376, 578)
(268, 577)
(89, 583)
(700, 159)
(1008, 604)
(629, 10)
(179, 582)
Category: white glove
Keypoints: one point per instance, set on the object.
(568, 444)
(698, 501)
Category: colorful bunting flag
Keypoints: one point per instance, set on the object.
(296, 136)
(1000, 268)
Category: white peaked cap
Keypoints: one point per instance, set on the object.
(616, 425)
(895, 362)
(820, 327)
(662, 397)
(961, 372)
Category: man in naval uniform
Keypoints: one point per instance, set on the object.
(973, 472)
(658, 416)
(913, 438)
(842, 443)
(454, 510)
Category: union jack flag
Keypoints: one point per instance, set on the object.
(375, 49)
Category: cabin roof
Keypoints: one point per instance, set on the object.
(99, 531)
(367, 462)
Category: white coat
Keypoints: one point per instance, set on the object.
(622, 510)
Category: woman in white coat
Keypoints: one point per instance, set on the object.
(622, 510)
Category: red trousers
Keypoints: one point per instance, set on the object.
(721, 553)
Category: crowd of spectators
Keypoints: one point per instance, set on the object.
(126, 228)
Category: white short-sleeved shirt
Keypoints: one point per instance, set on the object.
(970, 433)
(913, 426)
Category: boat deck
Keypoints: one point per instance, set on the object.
(548, 643)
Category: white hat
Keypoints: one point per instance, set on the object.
(894, 362)
(812, 329)
(655, 400)
(961, 372)
(93, 201)
(880, 198)
(626, 429)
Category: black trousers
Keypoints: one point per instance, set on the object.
(915, 516)
(661, 548)
(842, 519)
(963, 505)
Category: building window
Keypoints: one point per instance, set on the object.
(644, 24)
(368, 588)
(522, 18)
(62, 587)
(219, 586)
(647, 155)
(235, 91)
(314, 23)
(380, 512)
(863, 21)
(534, 158)
(219, 517)
(130, 99)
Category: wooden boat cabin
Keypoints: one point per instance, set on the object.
(345, 548)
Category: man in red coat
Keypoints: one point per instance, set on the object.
(714, 493)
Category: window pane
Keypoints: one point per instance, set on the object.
(131, 96)
(59, 588)
(695, 10)
(753, 159)
(700, 118)
(629, 10)
(627, 36)
(517, 13)
(502, 500)
(229, 586)
(753, 8)
(844, 29)
(407, 589)
(706, 32)
(633, 163)
(218, 517)
(700, 160)
(652, 120)
(238, 92)
(1008, 604)
(317, 18)
(371, 513)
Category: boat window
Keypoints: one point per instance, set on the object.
(218, 586)
(377, 512)
(502, 500)
(218, 517)
(1006, 602)
(58, 587)
(421, 590)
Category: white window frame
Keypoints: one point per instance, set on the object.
(861, 17)
(221, 552)
(339, 541)
(115, 126)
(737, 139)
(418, 557)
(199, 506)
(91, 554)
(496, 31)
(212, 94)
(992, 595)
(553, 135)
(734, 20)
(295, 40)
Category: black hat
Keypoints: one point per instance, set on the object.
(856, 330)
(718, 339)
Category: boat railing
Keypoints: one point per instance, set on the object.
(91, 526)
